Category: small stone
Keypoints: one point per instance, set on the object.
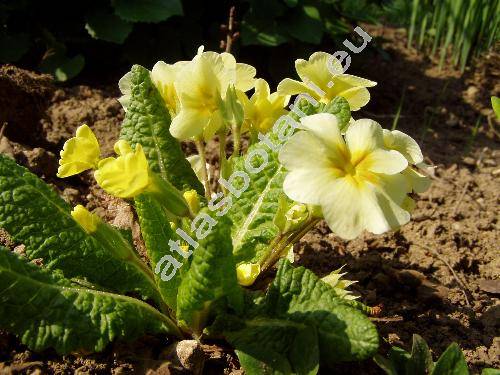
(20, 249)
(490, 162)
(490, 286)
(190, 355)
(471, 162)
(70, 195)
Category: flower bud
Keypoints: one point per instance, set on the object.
(231, 108)
(110, 238)
(247, 273)
(87, 220)
(193, 200)
(295, 216)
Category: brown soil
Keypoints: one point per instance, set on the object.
(438, 276)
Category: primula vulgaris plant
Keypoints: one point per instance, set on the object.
(207, 248)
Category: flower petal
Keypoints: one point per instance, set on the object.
(308, 185)
(315, 69)
(383, 161)
(245, 76)
(342, 208)
(382, 207)
(399, 141)
(357, 97)
(188, 124)
(292, 87)
(362, 137)
(304, 150)
(355, 81)
(125, 176)
(419, 182)
(79, 153)
(325, 127)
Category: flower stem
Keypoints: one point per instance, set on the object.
(222, 158)
(286, 241)
(236, 140)
(204, 172)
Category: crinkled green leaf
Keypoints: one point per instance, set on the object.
(211, 276)
(34, 215)
(147, 10)
(451, 362)
(253, 212)
(339, 107)
(276, 346)
(47, 311)
(147, 122)
(345, 333)
(280, 325)
(156, 233)
(107, 26)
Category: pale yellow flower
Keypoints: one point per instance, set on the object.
(263, 108)
(79, 153)
(163, 76)
(87, 220)
(409, 148)
(247, 273)
(125, 176)
(315, 70)
(201, 86)
(357, 181)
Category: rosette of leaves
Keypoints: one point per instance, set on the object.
(81, 298)
(420, 362)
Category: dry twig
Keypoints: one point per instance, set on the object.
(460, 283)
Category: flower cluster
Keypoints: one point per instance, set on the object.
(357, 177)
(361, 180)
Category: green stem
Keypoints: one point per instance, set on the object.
(236, 140)
(286, 241)
(204, 173)
(222, 159)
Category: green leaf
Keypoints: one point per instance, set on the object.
(260, 26)
(399, 358)
(253, 212)
(339, 107)
(298, 324)
(57, 62)
(451, 362)
(147, 10)
(107, 26)
(147, 122)
(495, 103)
(385, 365)
(490, 371)
(47, 311)
(265, 35)
(211, 276)
(156, 233)
(345, 334)
(13, 47)
(276, 346)
(421, 358)
(34, 215)
(305, 24)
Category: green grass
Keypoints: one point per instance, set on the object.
(452, 30)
